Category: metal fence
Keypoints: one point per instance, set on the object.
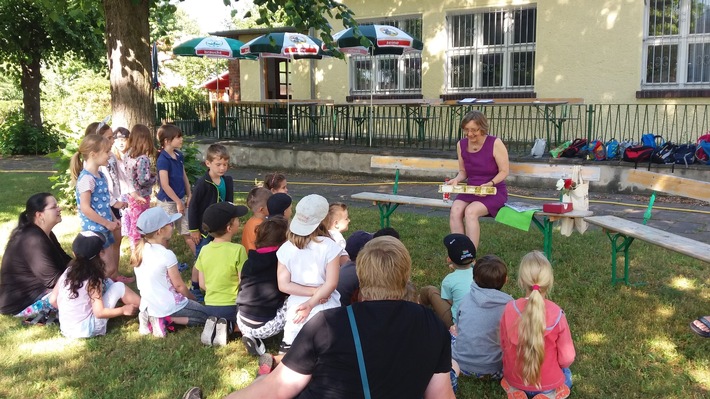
(427, 126)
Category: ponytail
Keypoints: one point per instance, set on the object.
(536, 279)
(90, 143)
(137, 254)
(76, 164)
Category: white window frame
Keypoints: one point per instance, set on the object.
(507, 49)
(401, 66)
(682, 40)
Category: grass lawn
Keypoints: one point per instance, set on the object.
(632, 342)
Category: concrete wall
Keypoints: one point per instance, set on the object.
(275, 156)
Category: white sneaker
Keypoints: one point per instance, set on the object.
(144, 327)
(220, 333)
(208, 332)
(255, 346)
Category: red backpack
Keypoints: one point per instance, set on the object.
(701, 154)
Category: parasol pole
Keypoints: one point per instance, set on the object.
(217, 102)
(288, 102)
(373, 86)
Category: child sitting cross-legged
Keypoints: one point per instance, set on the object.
(455, 286)
(475, 348)
(219, 266)
(256, 201)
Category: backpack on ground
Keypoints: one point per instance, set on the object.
(685, 154)
(557, 151)
(575, 149)
(612, 149)
(652, 140)
(597, 150)
(664, 153)
(702, 154)
(638, 153)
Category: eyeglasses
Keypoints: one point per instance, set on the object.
(49, 208)
(467, 131)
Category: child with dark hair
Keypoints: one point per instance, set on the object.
(279, 204)
(387, 231)
(256, 201)
(462, 257)
(85, 297)
(348, 283)
(476, 349)
(276, 183)
(262, 310)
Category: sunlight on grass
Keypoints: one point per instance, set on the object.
(683, 284)
(51, 346)
(665, 348)
(593, 338)
(701, 375)
(665, 311)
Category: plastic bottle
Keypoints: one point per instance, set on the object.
(446, 196)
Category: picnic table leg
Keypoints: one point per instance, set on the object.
(617, 246)
(386, 209)
(545, 227)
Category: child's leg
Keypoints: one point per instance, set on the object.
(193, 314)
(112, 293)
(430, 296)
(130, 297)
(190, 244)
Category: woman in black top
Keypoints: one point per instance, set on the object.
(33, 259)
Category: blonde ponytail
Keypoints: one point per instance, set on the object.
(536, 279)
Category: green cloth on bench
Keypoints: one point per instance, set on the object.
(513, 218)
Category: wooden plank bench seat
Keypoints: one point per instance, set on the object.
(622, 232)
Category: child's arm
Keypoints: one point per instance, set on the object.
(53, 296)
(332, 272)
(446, 293)
(178, 284)
(100, 312)
(165, 185)
(188, 189)
(192, 212)
(89, 212)
(565, 346)
(202, 280)
(288, 287)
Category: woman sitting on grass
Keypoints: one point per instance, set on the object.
(33, 259)
(86, 299)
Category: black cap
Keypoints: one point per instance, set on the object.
(217, 216)
(355, 242)
(88, 244)
(278, 203)
(461, 249)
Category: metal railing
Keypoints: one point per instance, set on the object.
(426, 126)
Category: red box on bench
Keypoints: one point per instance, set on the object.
(557, 207)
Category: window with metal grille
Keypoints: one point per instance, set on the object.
(393, 74)
(677, 34)
(491, 50)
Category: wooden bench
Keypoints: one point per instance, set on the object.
(622, 232)
(388, 203)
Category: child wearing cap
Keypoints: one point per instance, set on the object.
(165, 297)
(215, 186)
(348, 283)
(476, 350)
(279, 204)
(218, 267)
(462, 256)
(256, 201)
(86, 299)
(308, 267)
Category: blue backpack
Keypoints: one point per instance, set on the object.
(685, 154)
(612, 149)
(651, 140)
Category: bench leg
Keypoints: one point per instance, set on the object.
(545, 227)
(386, 209)
(617, 246)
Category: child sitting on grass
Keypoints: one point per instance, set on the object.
(308, 267)
(256, 201)
(535, 337)
(165, 298)
(338, 221)
(85, 297)
(455, 286)
(475, 348)
(219, 266)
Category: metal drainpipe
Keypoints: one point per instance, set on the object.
(312, 69)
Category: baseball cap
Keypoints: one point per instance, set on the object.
(88, 244)
(461, 249)
(355, 242)
(153, 219)
(310, 212)
(217, 216)
(278, 203)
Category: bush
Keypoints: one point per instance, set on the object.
(194, 164)
(63, 189)
(18, 137)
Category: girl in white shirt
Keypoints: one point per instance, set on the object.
(308, 267)
(165, 297)
(86, 299)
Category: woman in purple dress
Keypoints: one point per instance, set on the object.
(483, 161)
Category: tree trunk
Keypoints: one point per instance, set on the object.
(128, 43)
(30, 81)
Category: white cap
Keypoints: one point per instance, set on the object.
(310, 212)
(153, 219)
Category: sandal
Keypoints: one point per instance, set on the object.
(38, 320)
(698, 330)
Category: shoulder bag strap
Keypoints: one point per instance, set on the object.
(358, 350)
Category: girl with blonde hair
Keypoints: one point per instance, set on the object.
(535, 337)
(139, 157)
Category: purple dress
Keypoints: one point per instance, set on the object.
(481, 167)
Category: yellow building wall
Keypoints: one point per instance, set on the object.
(584, 49)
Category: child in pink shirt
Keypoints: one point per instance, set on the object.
(535, 337)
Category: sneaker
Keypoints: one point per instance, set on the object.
(144, 325)
(208, 332)
(283, 348)
(255, 346)
(193, 393)
(159, 325)
(199, 296)
(266, 364)
(220, 333)
(182, 266)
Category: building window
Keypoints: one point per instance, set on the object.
(491, 51)
(393, 74)
(677, 35)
